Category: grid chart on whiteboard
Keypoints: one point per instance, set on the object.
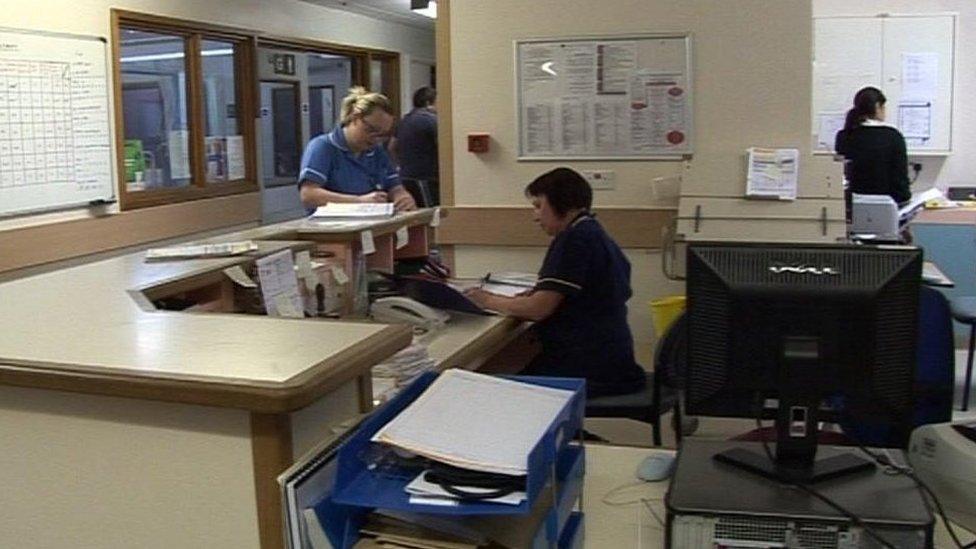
(50, 129)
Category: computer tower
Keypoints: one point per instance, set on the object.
(711, 504)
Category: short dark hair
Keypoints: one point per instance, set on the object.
(424, 96)
(564, 189)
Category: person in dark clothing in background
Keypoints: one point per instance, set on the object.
(876, 161)
(415, 148)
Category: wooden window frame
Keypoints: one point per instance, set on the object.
(298, 127)
(390, 63)
(360, 56)
(245, 84)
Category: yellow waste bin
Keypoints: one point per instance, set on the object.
(665, 311)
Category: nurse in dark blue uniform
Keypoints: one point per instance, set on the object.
(580, 301)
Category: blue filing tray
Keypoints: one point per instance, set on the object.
(359, 489)
(570, 468)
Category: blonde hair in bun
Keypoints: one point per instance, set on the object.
(360, 102)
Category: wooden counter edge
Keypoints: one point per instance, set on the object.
(496, 338)
(273, 398)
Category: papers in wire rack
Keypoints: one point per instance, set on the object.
(772, 173)
(476, 421)
(340, 210)
(221, 249)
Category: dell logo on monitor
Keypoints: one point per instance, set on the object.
(799, 268)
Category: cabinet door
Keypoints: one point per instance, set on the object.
(847, 57)
(918, 67)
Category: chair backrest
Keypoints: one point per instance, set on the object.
(671, 355)
(934, 373)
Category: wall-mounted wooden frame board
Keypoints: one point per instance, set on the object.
(605, 97)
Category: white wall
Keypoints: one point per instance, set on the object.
(281, 18)
(959, 168)
(752, 80)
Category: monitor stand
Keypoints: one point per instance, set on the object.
(820, 470)
(796, 447)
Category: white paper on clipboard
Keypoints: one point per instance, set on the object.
(772, 173)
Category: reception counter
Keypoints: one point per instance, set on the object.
(128, 426)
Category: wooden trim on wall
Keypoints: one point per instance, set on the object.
(179, 26)
(271, 451)
(513, 226)
(445, 122)
(30, 246)
(193, 33)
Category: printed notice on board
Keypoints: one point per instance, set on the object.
(772, 173)
(915, 120)
(919, 76)
(604, 97)
(828, 124)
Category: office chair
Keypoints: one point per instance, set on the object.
(660, 393)
(964, 311)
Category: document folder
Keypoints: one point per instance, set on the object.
(439, 295)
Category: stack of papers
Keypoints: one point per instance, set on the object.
(476, 422)
(399, 370)
(340, 210)
(772, 173)
(191, 251)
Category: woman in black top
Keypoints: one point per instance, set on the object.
(876, 159)
(579, 303)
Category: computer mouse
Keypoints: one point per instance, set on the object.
(656, 467)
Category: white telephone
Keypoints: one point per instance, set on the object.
(403, 310)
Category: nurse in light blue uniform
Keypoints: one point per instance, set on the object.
(350, 164)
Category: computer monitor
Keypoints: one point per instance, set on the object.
(802, 333)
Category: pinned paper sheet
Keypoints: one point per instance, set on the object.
(286, 308)
(436, 220)
(303, 263)
(402, 238)
(279, 285)
(366, 239)
(237, 274)
(339, 274)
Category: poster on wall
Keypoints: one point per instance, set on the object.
(615, 97)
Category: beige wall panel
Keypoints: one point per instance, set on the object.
(751, 89)
(515, 226)
(166, 475)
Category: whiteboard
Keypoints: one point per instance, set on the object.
(910, 58)
(55, 144)
(617, 97)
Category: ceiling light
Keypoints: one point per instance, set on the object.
(424, 7)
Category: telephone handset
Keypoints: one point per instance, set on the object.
(403, 310)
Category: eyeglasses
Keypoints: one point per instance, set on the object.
(372, 130)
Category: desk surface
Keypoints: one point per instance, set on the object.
(933, 276)
(631, 522)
